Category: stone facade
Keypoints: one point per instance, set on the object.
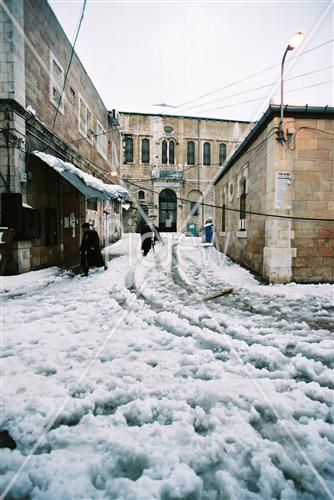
(35, 53)
(291, 179)
(181, 171)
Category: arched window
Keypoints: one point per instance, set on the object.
(145, 151)
(242, 213)
(190, 153)
(164, 152)
(128, 153)
(141, 195)
(222, 153)
(207, 154)
(172, 152)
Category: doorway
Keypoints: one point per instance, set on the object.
(167, 211)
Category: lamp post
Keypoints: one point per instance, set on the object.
(295, 40)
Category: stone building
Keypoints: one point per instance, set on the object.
(292, 179)
(40, 111)
(168, 164)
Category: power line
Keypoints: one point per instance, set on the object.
(69, 63)
(253, 74)
(260, 87)
(221, 88)
(263, 97)
(249, 212)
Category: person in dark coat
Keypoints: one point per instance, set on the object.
(146, 239)
(156, 235)
(90, 249)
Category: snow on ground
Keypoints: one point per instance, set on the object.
(126, 385)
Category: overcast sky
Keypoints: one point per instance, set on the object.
(143, 53)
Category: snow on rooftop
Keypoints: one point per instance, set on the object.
(114, 190)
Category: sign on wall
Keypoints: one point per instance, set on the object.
(282, 195)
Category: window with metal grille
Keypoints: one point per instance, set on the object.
(56, 83)
(145, 151)
(101, 140)
(206, 154)
(190, 153)
(222, 153)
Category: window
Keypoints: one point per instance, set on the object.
(168, 152)
(85, 120)
(56, 83)
(71, 97)
(31, 224)
(207, 154)
(145, 151)
(242, 214)
(92, 205)
(190, 153)
(164, 152)
(128, 149)
(193, 210)
(222, 154)
(101, 140)
(172, 152)
(195, 199)
(224, 218)
(141, 195)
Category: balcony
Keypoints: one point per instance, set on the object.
(172, 175)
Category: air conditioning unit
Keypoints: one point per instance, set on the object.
(114, 117)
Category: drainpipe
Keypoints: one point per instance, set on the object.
(199, 166)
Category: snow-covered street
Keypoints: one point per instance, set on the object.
(126, 385)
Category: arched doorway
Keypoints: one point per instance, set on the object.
(167, 211)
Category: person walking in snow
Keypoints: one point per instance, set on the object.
(146, 239)
(90, 249)
(156, 235)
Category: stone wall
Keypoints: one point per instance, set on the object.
(45, 38)
(313, 181)
(292, 180)
(196, 178)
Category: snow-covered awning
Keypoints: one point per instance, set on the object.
(88, 185)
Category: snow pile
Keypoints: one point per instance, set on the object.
(114, 190)
(130, 387)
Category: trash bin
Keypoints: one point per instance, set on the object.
(208, 232)
(191, 229)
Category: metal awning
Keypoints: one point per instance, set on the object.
(79, 184)
(90, 186)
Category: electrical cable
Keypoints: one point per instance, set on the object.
(249, 212)
(158, 118)
(254, 74)
(69, 62)
(264, 97)
(261, 87)
(307, 128)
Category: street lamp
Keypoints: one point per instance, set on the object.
(295, 40)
